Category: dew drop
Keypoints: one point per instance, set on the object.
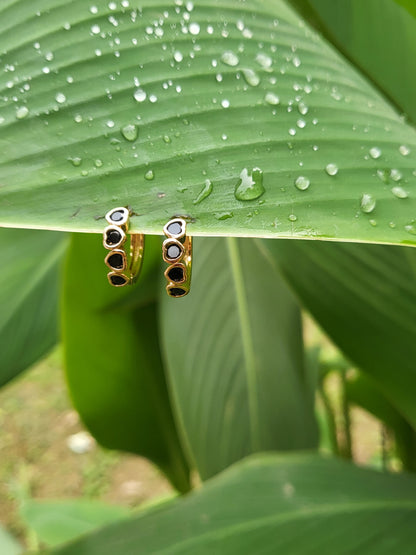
(110, 123)
(396, 175)
(130, 132)
(225, 103)
(139, 95)
(167, 139)
(95, 29)
(399, 192)
(375, 152)
(250, 185)
(194, 28)
(368, 203)
(383, 175)
(98, 163)
(292, 218)
(404, 150)
(331, 169)
(251, 77)
(264, 61)
(75, 161)
(272, 99)
(149, 175)
(205, 192)
(177, 56)
(303, 109)
(60, 98)
(302, 183)
(22, 112)
(229, 58)
(411, 228)
(223, 215)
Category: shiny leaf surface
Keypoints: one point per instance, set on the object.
(236, 115)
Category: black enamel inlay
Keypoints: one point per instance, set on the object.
(176, 292)
(116, 261)
(175, 228)
(173, 252)
(117, 216)
(118, 280)
(176, 274)
(113, 237)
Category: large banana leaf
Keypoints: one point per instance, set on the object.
(235, 358)
(28, 297)
(113, 365)
(236, 115)
(297, 504)
(364, 296)
(365, 29)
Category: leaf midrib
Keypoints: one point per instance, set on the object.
(250, 366)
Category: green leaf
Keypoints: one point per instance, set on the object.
(8, 545)
(68, 147)
(235, 357)
(409, 5)
(113, 365)
(28, 297)
(351, 24)
(297, 504)
(56, 522)
(364, 297)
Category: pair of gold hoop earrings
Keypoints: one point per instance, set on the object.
(126, 252)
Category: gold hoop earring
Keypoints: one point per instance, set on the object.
(177, 252)
(125, 262)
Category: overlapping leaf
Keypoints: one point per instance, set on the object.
(235, 358)
(365, 29)
(364, 296)
(29, 283)
(274, 504)
(163, 108)
(113, 364)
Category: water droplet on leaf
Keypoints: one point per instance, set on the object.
(368, 203)
(130, 132)
(302, 183)
(272, 99)
(251, 77)
(139, 95)
(250, 185)
(331, 169)
(375, 152)
(205, 192)
(229, 58)
(22, 112)
(399, 192)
